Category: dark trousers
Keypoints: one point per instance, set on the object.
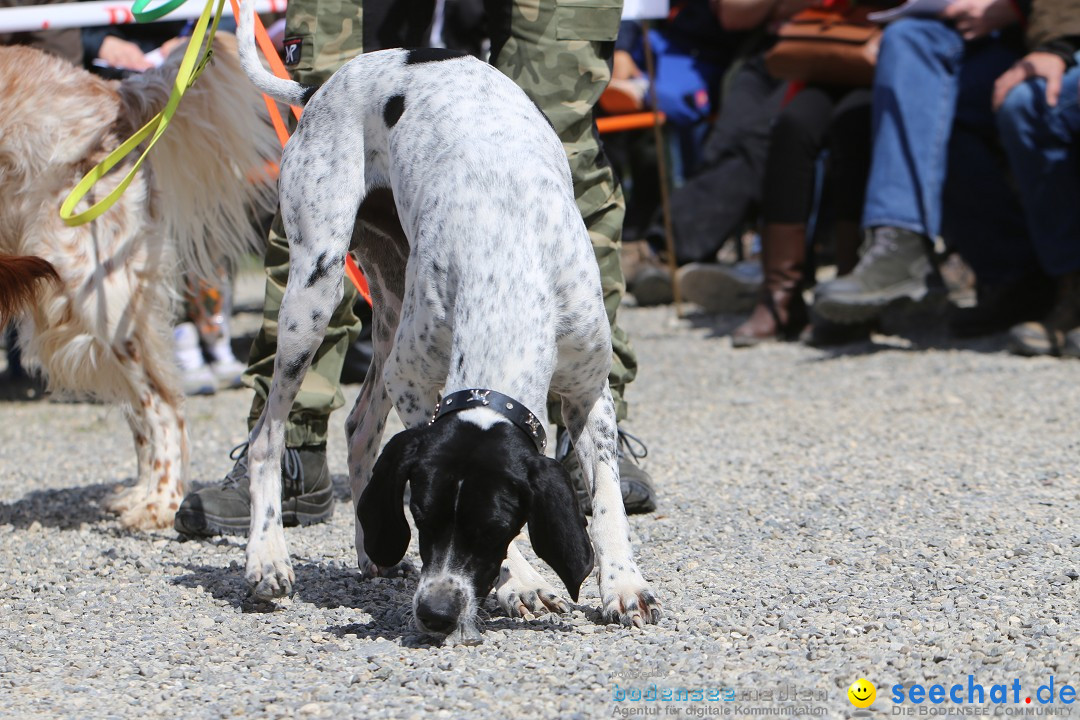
(837, 119)
(712, 205)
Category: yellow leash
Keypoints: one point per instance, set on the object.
(191, 66)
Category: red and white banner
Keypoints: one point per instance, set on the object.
(102, 12)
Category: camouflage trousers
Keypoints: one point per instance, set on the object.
(559, 53)
(320, 36)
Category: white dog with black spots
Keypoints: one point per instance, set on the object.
(455, 193)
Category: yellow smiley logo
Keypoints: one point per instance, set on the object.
(862, 693)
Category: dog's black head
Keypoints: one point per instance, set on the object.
(473, 488)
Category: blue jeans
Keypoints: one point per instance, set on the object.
(1042, 145)
(935, 165)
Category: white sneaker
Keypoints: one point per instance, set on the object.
(195, 374)
(228, 371)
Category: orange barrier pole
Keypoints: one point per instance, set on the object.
(267, 46)
(633, 121)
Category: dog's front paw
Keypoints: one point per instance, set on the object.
(271, 580)
(629, 600)
(269, 573)
(527, 597)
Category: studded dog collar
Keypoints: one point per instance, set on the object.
(505, 405)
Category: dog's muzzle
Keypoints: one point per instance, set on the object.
(443, 608)
(439, 610)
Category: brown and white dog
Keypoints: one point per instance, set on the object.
(103, 330)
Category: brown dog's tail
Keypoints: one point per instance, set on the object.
(19, 275)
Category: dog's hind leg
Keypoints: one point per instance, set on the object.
(624, 593)
(364, 430)
(161, 444)
(319, 223)
(302, 321)
(156, 419)
(384, 251)
(105, 335)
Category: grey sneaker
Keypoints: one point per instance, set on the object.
(651, 286)
(717, 288)
(1072, 344)
(639, 495)
(895, 265)
(307, 495)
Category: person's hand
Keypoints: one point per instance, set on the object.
(169, 45)
(623, 66)
(123, 54)
(1037, 64)
(978, 18)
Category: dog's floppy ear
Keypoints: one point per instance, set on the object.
(557, 525)
(381, 510)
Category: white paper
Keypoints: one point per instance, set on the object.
(645, 9)
(912, 8)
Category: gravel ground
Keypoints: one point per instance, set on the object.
(904, 511)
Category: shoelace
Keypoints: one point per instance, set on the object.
(629, 446)
(627, 443)
(881, 244)
(292, 469)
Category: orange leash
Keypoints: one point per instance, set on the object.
(267, 46)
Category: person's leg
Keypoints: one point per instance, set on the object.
(915, 91)
(318, 42)
(847, 168)
(982, 217)
(1041, 143)
(710, 206)
(320, 393)
(390, 23)
(930, 91)
(560, 56)
(916, 85)
(196, 377)
(797, 138)
(847, 172)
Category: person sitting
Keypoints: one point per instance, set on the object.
(1038, 116)
(936, 170)
(714, 203)
(691, 53)
(817, 118)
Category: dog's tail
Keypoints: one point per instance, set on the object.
(19, 276)
(287, 91)
(214, 170)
